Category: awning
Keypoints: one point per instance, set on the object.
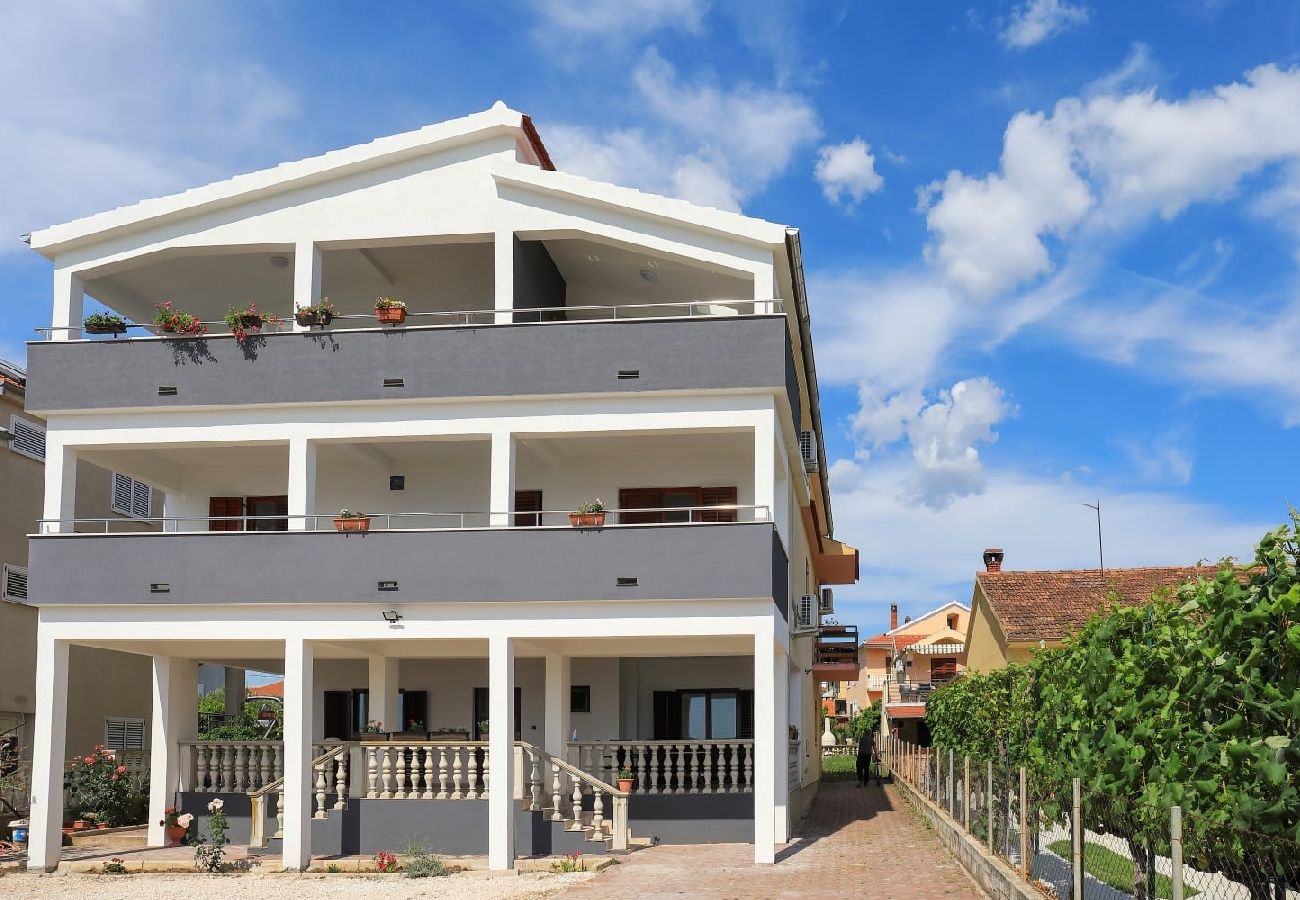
(937, 649)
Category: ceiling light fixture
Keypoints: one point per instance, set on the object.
(279, 262)
(649, 275)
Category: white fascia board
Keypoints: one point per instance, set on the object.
(585, 190)
(243, 188)
(934, 612)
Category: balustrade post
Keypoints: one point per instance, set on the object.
(535, 782)
(279, 812)
(457, 776)
(471, 762)
(201, 769)
(620, 835)
(320, 791)
(576, 800)
(241, 757)
(442, 773)
(695, 768)
(556, 789)
(598, 816)
(227, 768)
(341, 780)
(428, 772)
(385, 773)
(372, 771)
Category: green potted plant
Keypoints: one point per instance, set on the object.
(243, 319)
(591, 513)
(625, 779)
(373, 731)
(390, 311)
(170, 320)
(351, 520)
(315, 315)
(104, 323)
(483, 727)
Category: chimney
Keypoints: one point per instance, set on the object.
(906, 619)
(893, 616)
(993, 559)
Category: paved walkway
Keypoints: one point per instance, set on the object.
(854, 843)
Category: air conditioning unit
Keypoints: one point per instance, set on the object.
(826, 602)
(808, 450)
(805, 615)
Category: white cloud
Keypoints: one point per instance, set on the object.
(561, 23)
(711, 145)
(1166, 458)
(1038, 20)
(847, 170)
(914, 556)
(100, 127)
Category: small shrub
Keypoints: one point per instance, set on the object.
(333, 869)
(210, 852)
(573, 862)
(113, 867)
(385, 861)
(422, 865)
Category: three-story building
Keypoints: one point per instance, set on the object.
(470, 661)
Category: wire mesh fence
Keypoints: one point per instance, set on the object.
(1072, 843)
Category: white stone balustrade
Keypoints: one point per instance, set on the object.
(430, 770)
(670, 767)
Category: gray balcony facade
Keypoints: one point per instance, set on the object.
(537, 359)
(649, 562)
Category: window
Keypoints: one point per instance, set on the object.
(130, 497)
(271, 507)
(15, 584)
(666, 500)
(123, 734)
(528, 509)
(580, 698)
(701, 715)
(952, 621)
(27, 438)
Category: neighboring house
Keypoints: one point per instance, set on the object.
(1016, 613)
(109, 697)
(903, 665)
(566, 340)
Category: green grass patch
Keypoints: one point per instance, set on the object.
(839, 768)
(1111, 868)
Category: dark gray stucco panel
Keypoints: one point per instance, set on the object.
(693, 818)
(669, 562)
(238, 809)
(732, 353)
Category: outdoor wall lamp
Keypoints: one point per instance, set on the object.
(391, 616)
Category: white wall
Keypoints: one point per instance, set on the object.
(441, 476)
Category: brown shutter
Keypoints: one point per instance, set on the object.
(528, 508)
(745, 716)
(717, 496)
(225, 506)
(640, 498)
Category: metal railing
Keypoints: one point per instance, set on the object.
(686, 309)
(408, 521)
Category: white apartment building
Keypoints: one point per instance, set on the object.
(565, 340)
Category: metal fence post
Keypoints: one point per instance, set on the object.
(1024, 823)
(1076, 855)
(965, 792)
(952, 785)
(989, 806)
(1176, 850)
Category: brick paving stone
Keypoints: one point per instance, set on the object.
(855, 842)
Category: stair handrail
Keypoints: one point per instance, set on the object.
(257, 798)
(620, 830)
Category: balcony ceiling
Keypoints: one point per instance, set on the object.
(592, 269)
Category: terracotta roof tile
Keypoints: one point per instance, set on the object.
(1046, 605)
(895, 640)
(273, 689)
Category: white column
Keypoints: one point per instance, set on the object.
(503, 274)
(781, 746)
(60, 485)
(383, 692)
(307, 269)
(764, 287)
(48, 753)
(559, 671)
(765, 464)
(175, 719)
(502, 488)
(299, 659)
(302, 483)
(501, 752)
(764, 751)
(69, 298)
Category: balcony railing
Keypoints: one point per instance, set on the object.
(688, 309)
(835, 656)
(732, 513)
(913, 691)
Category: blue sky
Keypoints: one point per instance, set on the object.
(1051, 245)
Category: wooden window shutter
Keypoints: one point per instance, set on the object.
(528, 509)
(667, 715)
(745, 716)
(218, 507)
(640, 498)
(717, 496)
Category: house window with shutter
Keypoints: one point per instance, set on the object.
(15, 583)
(27, 438)
(528, 509)
(123, 734)
(130, 497)
(661, 505)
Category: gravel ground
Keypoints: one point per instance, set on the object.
(469, 886)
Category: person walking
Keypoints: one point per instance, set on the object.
(866, 753)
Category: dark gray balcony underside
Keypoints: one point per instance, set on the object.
(472, 361)
(669, 562)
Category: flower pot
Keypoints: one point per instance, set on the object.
(354, 523)
(105, 329)
(312, 319)
(390, 315)
(102, 826)
(587, 520)
(253, 323)
(625, 785)
(80, 825)
(175, 835)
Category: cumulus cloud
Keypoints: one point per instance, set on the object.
(1165, 458)
(1039, 20)
(712, 145)
(847, 172)
(617, 20)
(73, 142)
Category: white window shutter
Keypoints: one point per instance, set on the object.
(26, 438)
(122, 490)
(123, 734)
(15, 583)
(140, 500)
(134, 739)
